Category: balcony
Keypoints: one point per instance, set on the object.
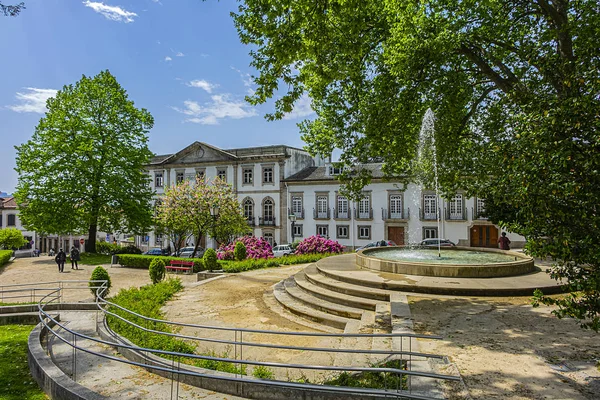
(266, 221)
(460, 215)
(298, 214)
(339, 214)
(368, 214)
(398, 215)
(322, 214)
(428, 216)
(251, 221)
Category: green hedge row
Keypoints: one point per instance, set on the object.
(302, 258)
(5, 255)
(143, 261)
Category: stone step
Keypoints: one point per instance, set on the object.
(332, 296)
(320, 278)
(319, 304)
(295, 307)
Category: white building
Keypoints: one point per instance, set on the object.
(9, 218)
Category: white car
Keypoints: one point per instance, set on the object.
(282, 250)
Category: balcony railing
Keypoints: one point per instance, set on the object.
(322, 214)
(460, 215)
(427, 216)
(341, 214)
(298, 214)
(368, 214)
(400, 214)
(267, 221)
(251, 221)
(478, 214)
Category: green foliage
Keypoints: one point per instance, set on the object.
(239, 252)
(84, 167)
(262, 372)
(374, 380)
(11, 238)
(5, 255)
(93, 259)
(302, 258)
(16, 382)
(100, 274)
(113, 248)
(249, 264)
(157, 270)
(514, 87)
(143, 261)
(210, 259)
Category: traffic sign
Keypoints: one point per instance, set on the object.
(82, 241)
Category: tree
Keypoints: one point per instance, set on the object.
(514, 85)
(83, 169)
(10, 10)
(172, 212)
(11, 238)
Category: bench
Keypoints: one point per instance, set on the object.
(180, 265)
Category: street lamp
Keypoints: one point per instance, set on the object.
(214, 213)
(292, 218)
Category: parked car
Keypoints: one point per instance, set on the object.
(187, 252)
(378, 243)
(282, 250)
(156, 252)
(434, 242)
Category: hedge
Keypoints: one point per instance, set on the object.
(143, 261)
(5, 255)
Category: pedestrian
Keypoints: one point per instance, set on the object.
(74, 257)
(51, 252)
(504, 242)
(60, 259)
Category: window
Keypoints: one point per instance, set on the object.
(364, 232)
(248, 176)
(297, 206)
(200, 175)
(158, 179)
(157, 205)
(456, 207)
(222, 174)
(322, 208)
(268, 236)
(480, 211)
(323, 230)
(297, 231)
(158, 239)
(145, 239)
(429, 206)
(396, 206)
(430, 233)
(11, 220)
(335, 170)
(179, 177)
(364, 208)
(249, 209)
(342, 207)
(1, 219)
(342, 232)
(268, 210)
(268, 175)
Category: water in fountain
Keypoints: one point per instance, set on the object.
(427, 141)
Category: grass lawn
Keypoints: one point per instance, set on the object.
(15, 381)
(93, 259)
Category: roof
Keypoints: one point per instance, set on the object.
(8, 202)
(320, 173)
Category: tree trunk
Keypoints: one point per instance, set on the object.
(198, 237)
(90, 245)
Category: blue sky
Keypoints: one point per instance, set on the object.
(180, 59)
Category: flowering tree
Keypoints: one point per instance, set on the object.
(255, 248)
(318, 244)
(172, 212)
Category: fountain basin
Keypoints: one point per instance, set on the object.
(459, 262)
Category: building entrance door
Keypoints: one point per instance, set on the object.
(396, 234)
(484, 236)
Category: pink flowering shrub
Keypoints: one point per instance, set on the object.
(255, 248)
(318, 244)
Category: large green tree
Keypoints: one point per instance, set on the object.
(515, 86)
(83, 169)
(11, 238)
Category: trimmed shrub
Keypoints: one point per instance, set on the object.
(210, 259)
(302, 258)
(248, 265)
(131, 249)
(318, 244)
(106, 248)
(255, 248)
(157, 270)
(239, 252)
(143, 261)
(5, 255)
(99, 274)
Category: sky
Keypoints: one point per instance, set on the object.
(180, 59)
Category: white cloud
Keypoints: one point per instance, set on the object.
(167, 58)
(202, 84)
(301, 109)
(220, 107)
(114, 13)
(33, 101)
(179, 54)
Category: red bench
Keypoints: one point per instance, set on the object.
(180, 265)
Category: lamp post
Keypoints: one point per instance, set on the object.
(214, 213)
(292, 218)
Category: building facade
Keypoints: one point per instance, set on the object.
(9, 218)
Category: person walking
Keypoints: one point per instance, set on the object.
(504, 242)
(60, 259)
(74, 257)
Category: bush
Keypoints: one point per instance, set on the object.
(302, 258)
(11, 238)
(239, 253)
(262, 372)
(210, 259)
(143, 261)
(99, 274)
(5, 255)
(255, 248)
(249, 264)
(106, 248)
(318, 244)
(131, 249)
(157, 270)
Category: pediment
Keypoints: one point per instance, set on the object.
(199, 152)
